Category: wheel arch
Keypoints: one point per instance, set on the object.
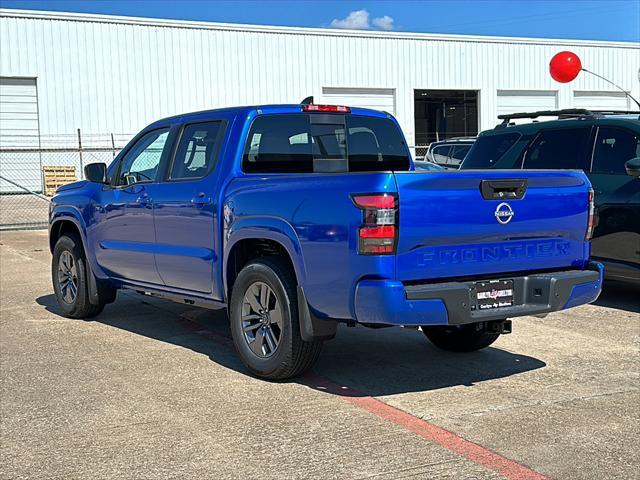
(65, 222)
(247, 242)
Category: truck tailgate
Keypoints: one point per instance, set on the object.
(451, 225)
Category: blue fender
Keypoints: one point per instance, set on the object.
(72, 214)
(270, 228)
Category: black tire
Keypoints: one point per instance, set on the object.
(462, 338)
(78, 306)
(293, 356)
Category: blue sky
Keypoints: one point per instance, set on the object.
(577, 19)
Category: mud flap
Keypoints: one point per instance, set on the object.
(98, 292)
(311, 327)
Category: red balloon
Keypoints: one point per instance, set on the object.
(564, 67)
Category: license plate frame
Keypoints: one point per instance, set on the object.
(493, 294)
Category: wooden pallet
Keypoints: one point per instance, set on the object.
(56, 176)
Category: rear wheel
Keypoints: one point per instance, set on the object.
(70, 280)
(264, 321)
(460, 338)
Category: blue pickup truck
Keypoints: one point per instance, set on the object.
(299, 217)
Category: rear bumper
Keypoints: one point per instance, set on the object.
(392, 303)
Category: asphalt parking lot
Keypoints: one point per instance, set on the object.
(152, 389)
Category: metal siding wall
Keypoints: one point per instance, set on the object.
(118, 77)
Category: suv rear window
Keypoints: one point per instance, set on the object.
(305, 143)
(488, 150)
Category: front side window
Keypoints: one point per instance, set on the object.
(140, 163)
(196, 155)
(614, 147)
(566, 148)
(305, 143)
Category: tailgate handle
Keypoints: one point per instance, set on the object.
(503, 189)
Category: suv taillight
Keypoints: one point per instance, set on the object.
(378, 232)
(591, 222)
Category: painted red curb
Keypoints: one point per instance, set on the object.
(449, 440)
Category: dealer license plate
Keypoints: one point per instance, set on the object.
(494, 294)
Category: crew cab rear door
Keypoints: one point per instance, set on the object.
(184, 209)
(471, 223)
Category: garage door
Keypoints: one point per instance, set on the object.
(516, 101)
(601, 100)
(376, 98)
(18, 112)
(19, 129)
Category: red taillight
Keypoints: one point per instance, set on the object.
(377, 235)
(591, 222)
(325, 108)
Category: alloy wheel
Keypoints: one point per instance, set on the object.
(67, 277)
(261, 318)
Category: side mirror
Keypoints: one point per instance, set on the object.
(96, 172)
(633, 167)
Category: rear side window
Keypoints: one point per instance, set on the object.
(304, 143)
(488, 150)
(440, 154)
(614, 148)
(566, 148)
(459, 152)
(197, 152)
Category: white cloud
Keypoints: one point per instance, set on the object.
(383, 23)
(359, 20)
(356, 20)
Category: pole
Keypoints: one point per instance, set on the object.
(113, 146)
(80, 155)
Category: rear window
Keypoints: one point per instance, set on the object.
(488, 150)
(306, 143)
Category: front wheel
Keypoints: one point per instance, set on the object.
(460, 338)
(70, 280)
(264, 321)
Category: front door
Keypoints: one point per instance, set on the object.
(124, 234)
(185, 211)
(617, 196)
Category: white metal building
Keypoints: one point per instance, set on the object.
(103, 74)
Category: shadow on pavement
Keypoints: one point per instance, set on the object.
(622, 296)
(358, 362)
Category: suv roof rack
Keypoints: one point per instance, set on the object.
(564, 113)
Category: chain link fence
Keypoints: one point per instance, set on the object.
(29, 175)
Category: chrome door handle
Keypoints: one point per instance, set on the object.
(200, 200)
(143, 199)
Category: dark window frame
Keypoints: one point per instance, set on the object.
(166, 175)
(168, 147)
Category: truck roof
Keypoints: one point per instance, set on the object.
(229, 112)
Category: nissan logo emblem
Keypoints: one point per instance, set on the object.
(503, 213)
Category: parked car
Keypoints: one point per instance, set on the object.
(296, 218)
(449, 153)
(606, 146)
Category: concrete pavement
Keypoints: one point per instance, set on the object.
(151, 389)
